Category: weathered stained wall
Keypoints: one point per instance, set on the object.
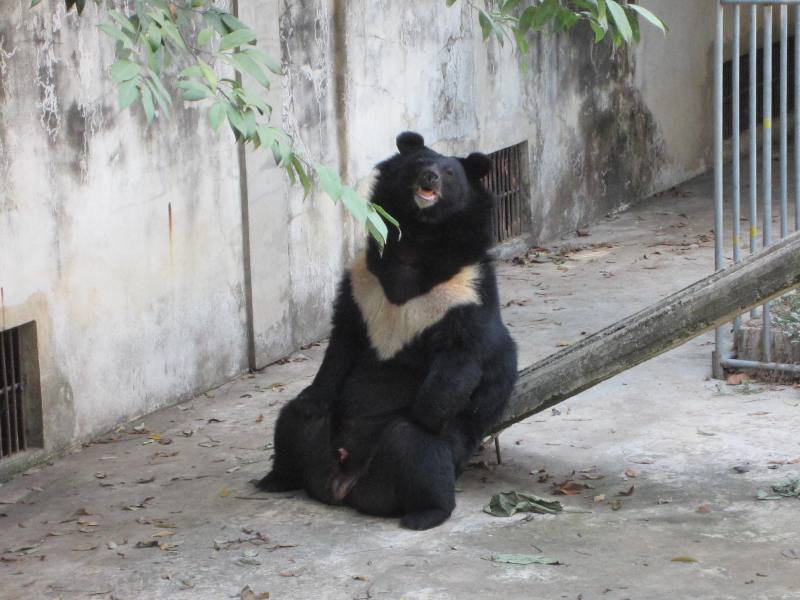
(157, 262)
(122, 242)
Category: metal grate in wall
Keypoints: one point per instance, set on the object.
(508, 182)
(12, 409)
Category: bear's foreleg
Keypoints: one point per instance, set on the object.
(446, 390)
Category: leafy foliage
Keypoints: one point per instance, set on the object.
(217, 53)
(219, 64)
(514, 21)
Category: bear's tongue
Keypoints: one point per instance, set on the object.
(426, 194)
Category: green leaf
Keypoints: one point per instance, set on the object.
(509, 5)
(163, 102)
(115, 33)
(193, 90)
(215, 22)
(522, 43)
(678, 559)
(355, 204)
(159, 86)
(208, 73)
(620, 20)
(266, 59)
(506, 504)
(486, 24)
(387, 217)
(305, 181)
(649, 16)
(128, 93)
(154, 36)
(329, 181)
(172, 33)
(123, 70)
(232, 22)
(34, 3)
(526, 18)
(376, 233)
(123, 21)
(199, 3)
(547, 10)
(193, 71)
(374, 219)
(216, 114)
(449, 2)
(147, 104)
(236, 120)
(204, 36)
(525, 559)
(245, 64)
(236, 38)
(599, 32)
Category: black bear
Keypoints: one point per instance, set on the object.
(420, 365)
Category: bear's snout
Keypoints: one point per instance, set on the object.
(428, 178)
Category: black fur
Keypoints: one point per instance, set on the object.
(389, 437)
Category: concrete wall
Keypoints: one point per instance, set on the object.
(136, 310)
(122, 242)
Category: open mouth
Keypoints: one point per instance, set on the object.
(425, 197)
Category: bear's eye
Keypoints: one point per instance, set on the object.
(448, 171)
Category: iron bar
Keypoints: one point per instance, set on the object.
(784, 112)
(766, 341)
(6, 408)
(718, 176)
(753, 164)
(736, 175)
(796, 120)
(754, 364)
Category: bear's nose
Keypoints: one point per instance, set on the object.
(428, 178)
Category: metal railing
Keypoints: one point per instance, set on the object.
(723, 359)
(12, 413)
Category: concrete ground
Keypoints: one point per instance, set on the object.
(163, 507)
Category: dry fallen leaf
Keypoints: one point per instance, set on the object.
(631, 473)
(600, 498)
(703, 509)
(736, 379)
(163, 533)
(259, 418)
(249, 594)
(628, 492)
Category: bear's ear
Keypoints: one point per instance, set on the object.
(408, 141)
(477, 165)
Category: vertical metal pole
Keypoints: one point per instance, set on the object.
(767, 161)
(796, 119)
(735, 116)
(5, 425)
(717, 370)
(753, 164)
(15, 416)
(784, 164)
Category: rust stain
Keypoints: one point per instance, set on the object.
(169, 225)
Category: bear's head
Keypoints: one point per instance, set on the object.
(421, 186)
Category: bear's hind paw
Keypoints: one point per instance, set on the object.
(274, 483)
(424, 519)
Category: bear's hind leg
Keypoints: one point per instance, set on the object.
(300, 440)
(411, 474)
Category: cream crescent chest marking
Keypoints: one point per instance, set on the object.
(389, 326)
